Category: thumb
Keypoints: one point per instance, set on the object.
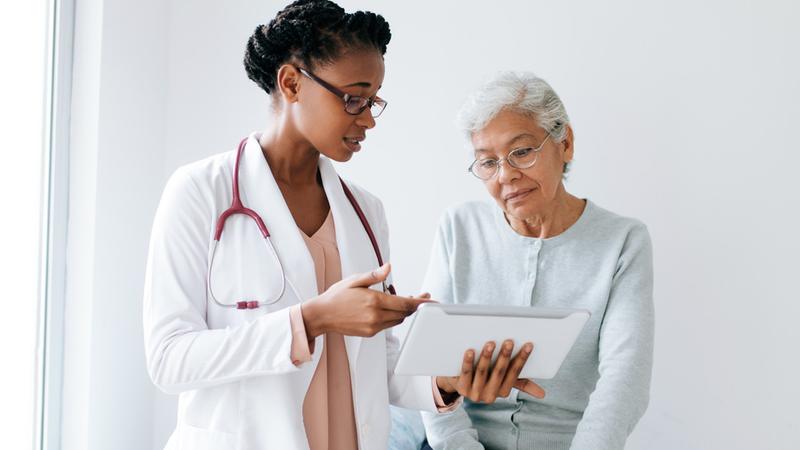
(367, 279)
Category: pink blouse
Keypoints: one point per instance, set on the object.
(328, 413)
(328, 407)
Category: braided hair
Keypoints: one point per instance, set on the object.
(310, 32)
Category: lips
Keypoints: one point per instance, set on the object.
(353, 143)
(517, 195)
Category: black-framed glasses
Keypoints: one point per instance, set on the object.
(520, 158)
(353, 104)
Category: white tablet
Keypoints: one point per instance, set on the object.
(440, 334)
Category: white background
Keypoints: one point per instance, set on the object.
(22, 81)
(685, 117)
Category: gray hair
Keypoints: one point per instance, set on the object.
(520, 92)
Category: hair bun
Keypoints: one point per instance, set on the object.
(312, 32)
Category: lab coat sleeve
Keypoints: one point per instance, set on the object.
(453, 430)
(182, 352)
(622, 392)
(412, 392)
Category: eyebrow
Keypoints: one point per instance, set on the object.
(363, 84)
(511, 142)
(522, 136)
(359, 84)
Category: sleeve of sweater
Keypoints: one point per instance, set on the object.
(625, 351)
(451, 430)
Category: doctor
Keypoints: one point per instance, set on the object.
(257, 307)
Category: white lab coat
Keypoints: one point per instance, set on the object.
(238, 387)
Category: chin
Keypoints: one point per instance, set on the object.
(522, 212)
(338, 155)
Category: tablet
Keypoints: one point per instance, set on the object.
(439, 335)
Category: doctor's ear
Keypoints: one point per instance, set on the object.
(288, 82)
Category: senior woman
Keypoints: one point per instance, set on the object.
(539, 245)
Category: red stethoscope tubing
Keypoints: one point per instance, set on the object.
(237, 207)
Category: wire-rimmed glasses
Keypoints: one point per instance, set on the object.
(519, 158)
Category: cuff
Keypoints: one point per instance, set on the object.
(301, 347)
(440, 404)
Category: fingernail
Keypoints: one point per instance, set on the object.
(508, 345)
(470, 354)
(528, 347)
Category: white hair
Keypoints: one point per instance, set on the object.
(520, 92)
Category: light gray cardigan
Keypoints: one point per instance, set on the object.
(602, 263)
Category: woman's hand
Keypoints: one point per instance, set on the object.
(349, 307)
(481, 383)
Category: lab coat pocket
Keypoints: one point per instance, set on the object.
(194, 438)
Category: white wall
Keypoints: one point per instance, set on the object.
(116, 167)
(683, 113)
(23, 44)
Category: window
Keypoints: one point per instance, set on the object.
(28, 120)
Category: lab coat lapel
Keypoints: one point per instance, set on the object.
(355, 251)
(260, 193)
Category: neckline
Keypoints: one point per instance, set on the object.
(573, 229)
(321, 231)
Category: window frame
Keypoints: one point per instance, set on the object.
(55, 204)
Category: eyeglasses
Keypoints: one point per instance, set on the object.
(353, 104)
(520, 158)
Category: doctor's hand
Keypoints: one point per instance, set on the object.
(482, 383)
(349, 307)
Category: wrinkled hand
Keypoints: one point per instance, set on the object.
(349, 307)
(482, 383)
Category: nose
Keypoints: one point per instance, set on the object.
(365, 119)
(505, 172)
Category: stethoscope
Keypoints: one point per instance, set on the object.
(237, 207)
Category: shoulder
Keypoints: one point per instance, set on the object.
(198, 186)
(208, 171)
(464, 224)
(605, 221)
(627, 235)
(467, 216)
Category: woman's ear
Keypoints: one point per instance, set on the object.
(568, 151)
(288, 83)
